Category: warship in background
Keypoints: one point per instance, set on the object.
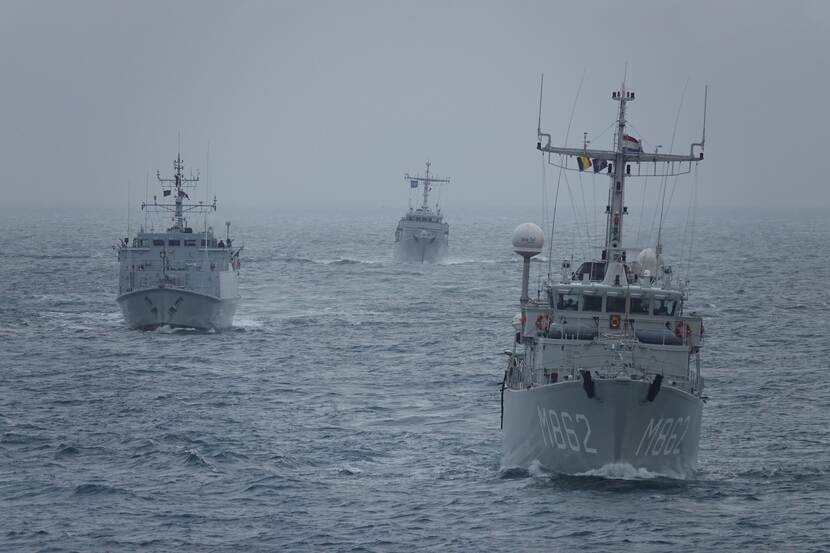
(605, 367)
(422, 235)
(178, 277)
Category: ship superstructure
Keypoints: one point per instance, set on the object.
(181, 276)
(605, 367)
(422, 235)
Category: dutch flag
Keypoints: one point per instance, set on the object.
(631, 144)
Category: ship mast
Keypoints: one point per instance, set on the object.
(616, 211)
(627, 151)
(426, 186)
(179, 181)
(427, 181)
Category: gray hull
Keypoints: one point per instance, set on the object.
(558, 426)
(156, 307)
(421, 250)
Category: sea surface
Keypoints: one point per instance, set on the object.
(354, 406)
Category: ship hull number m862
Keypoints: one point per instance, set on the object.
(663, 436)
(565, 431)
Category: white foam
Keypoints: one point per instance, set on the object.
(349, 470)
(620, 471)
(464, 261)
(537, 470)
(247, 323)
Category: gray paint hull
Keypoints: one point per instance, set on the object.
(413, 249)
(558, 426)
(156, 307)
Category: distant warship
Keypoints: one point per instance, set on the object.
(178, 277)
(605, 367)
(422, 235)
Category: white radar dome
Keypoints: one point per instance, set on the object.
(648, 260)
(528, 239)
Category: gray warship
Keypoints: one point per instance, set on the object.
(178, 277)
(422, 235)
(605, 366)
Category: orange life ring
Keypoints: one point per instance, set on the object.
(542, 323)
(678, 329)
(614, 322)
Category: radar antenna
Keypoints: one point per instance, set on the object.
(618, 162)
(178, 186)
(427, 181)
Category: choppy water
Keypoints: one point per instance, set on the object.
(354, 406)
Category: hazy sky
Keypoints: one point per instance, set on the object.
(330, 103)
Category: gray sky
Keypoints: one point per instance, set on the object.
(329, 103)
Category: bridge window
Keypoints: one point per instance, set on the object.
(665, 307)
(640, 306)
(592, 303)
(158, 242)
(594, 269)
(568, 301)
(174, 242)
(615, 304)
(189, 242)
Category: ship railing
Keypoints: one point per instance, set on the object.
(516, 371)
(145, 282)
(520, 375)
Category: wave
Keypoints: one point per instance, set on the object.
(98, 489)
(194, 458)
(511, 473)
(335, 261)
(538, 470)
(621, 471)
(66, 450)
(43, 256)
(166, 329)
(608, 472)
(469, 261)
(247, 324)
(345, 262)
(12, 437)
(290, 259)
(348, 470)
(14, 328)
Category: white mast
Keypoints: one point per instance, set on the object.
(613, 231)
(426, 186)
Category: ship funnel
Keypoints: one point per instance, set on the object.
(528, 240)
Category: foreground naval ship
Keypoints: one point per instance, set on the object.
(422, 235)
(605, 367)
(178, 277)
